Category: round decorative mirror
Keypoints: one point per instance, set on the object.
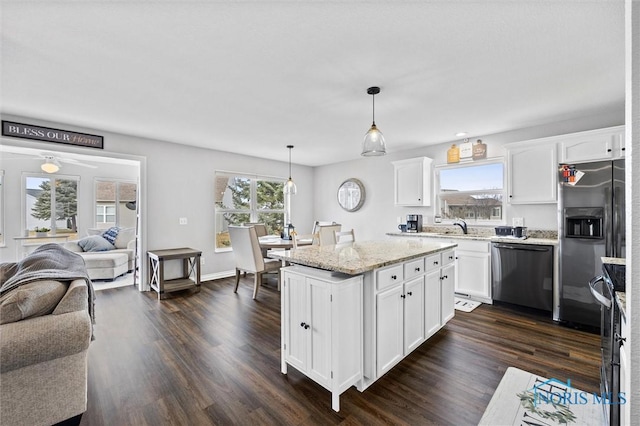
(351, 195)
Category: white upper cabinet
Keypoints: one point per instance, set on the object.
(601, 144)
(532, 170)
(413, 181)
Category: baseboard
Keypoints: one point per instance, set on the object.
(218, 275)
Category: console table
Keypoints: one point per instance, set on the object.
(190, 266)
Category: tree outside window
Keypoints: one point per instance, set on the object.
(52, 203)
(244, 198)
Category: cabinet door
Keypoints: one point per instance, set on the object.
(448, 290)
(532, 174)
(296, 320)
(412, 180)
(319, 317)
(472, 274)
(432, 302)
(413, 314)
(595, 145)
(389, 334)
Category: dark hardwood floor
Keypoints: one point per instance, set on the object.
(214, 358)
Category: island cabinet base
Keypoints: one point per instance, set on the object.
(404, 304)
(322, 327)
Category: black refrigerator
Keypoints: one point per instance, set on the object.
(591, 225)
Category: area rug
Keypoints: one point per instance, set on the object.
(523, 398)
(466, 305)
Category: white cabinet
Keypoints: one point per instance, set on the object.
(412, 178)
(473, 270)
(439, 291)
(601, 144)
(532, 173)
(447, 288)
(322, 327)
(399, 313)
(625, 377)
(432, 302)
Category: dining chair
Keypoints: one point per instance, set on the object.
(304, 237)
(319, 223)
(326, 234)
(344, 236)
(248, 255)
(261, 228)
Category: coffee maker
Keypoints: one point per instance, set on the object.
(414, 223)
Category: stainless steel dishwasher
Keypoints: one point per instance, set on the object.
(522, 274)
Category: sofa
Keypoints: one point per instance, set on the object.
(46, 328)
(105, 260)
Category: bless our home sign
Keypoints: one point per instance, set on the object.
(38, 133)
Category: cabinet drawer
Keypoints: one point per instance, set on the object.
(448, 257)
(433, 262)
(388, 277)
(413, 268)
(479, 246)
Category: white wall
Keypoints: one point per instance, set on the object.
(176, 181)
(379, 215)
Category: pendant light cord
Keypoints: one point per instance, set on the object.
(374, 109)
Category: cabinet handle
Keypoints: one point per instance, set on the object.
(608, 149)
(409, 293)
(446, 276)
(403, 296)
(435, 262)
(510, 196)
(622, 148)
(417, 269)
(394, 277)
(451, 257)
(304, 325)
(456, 257)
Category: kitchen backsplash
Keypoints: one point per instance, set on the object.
(489, 232)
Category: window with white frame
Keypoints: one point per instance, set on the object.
(51, 204)
(473, 192)
(115, 203)
(242, 198)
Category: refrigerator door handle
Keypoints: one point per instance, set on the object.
(608, 234)
(617, 238)
(598, 296)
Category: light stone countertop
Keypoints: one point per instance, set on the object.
(621, 297)
(476, 237)
(359, 257)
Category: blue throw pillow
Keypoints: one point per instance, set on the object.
(111, 234)
(95, 243)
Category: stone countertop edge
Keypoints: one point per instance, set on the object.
(286, 255)
(621, 297)
(492, 238)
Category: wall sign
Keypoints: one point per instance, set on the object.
(46, 134)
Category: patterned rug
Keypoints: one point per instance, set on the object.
(523, 398)
(466, 305)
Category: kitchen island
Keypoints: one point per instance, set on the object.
(350, 312)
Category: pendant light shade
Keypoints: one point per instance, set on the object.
(50, 165)
(290, 186)
(373, 144)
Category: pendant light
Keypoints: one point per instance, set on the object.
(373, 144)
(290, 186)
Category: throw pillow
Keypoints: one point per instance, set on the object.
(111, 234)
(95, 243)
(124, 236)
(31, 300)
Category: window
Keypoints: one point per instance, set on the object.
(473, 192)
(115, 204)
(51, 203)
(246, 198)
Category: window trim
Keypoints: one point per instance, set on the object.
(51, 177)
(116, 202)
(253, 210)
(461, 165)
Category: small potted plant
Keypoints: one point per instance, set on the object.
(41, 232)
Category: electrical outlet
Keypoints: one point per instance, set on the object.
(202, 262)
(518, 221)
(183, 221)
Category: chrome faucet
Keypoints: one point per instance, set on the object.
(462, 224)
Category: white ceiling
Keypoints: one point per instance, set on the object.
(252, 77)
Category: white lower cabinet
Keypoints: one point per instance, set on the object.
(473, 273)
(399, 315)
(322, 327)
(625, 377)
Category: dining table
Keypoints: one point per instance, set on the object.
(275, 241)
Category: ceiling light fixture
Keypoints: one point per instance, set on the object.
(290, 186)
(459, 134)
(50, 165)
(373, 144)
